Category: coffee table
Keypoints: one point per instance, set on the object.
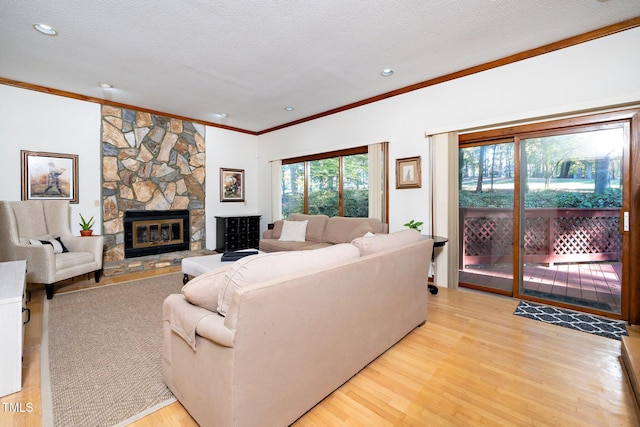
(197, 265)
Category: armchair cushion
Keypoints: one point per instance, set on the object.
(69, 259)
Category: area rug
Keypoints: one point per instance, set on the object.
(102, 351)
(571, 319)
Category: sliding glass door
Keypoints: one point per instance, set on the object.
(571, 199)
(541, 213)
(486, 187)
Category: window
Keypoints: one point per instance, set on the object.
(292, 188)
(333, 184)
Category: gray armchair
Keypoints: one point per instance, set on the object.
(24, 225)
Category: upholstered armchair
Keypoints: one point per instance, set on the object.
(27, 227)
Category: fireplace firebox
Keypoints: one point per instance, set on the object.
(155, 232)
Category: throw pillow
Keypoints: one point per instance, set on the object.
(293, 231)
(382, 242)
(59, 241)
(203, 289)
(56, 243)
(260, 268)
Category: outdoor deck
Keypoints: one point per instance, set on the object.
(597, 284)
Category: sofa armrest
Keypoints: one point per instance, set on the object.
(213, 329)
(187, 320)
(273, 232)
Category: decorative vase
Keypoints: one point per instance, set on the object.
(86, 232)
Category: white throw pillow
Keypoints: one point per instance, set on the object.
(293, 231)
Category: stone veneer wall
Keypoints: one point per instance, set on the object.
(150, 162)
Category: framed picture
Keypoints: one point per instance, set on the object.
(49, 176)
(408, 173)
(231, 185)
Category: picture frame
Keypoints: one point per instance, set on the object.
(231, 185)
(408, 172)
(49, 176)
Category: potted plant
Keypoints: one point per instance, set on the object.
(416, 225)
(85, 226)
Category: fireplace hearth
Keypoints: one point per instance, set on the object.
(155, 232)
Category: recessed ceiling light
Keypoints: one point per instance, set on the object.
(45, 29)
(289, 108)
(105, 85)
(221, 115)
(386, 72)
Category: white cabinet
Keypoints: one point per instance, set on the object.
(12, 290)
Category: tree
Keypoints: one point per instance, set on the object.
(483, 150)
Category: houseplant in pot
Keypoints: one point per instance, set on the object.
(416, 225)
(85, 226)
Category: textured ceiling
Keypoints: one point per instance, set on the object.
(250, 58)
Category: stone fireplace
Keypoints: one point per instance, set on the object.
(151, 163)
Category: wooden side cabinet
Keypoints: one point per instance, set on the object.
(237, 232)
(13, 316)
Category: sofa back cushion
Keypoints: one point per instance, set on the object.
(344, 230)
(260, 268)
(203, 290)
(368, 245)
(315, 226)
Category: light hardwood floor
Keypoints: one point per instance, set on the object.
(472, 363)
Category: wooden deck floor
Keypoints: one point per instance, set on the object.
(594, 283)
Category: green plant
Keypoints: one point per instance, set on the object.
(416, 225)
(84, 224)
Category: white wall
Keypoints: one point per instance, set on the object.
(600, 73)
(233, 150)
(36, 121)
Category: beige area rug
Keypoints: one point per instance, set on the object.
(102, 353)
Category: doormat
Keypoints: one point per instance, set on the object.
(571, 319)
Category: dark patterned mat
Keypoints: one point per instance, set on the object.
(571, 319)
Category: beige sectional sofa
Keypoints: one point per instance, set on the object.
(321, 231)
(296, 326)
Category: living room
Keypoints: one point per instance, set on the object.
(599, 74)
(538, 87)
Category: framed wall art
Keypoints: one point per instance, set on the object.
(231, 185)
(49, 176)
(408, 173)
